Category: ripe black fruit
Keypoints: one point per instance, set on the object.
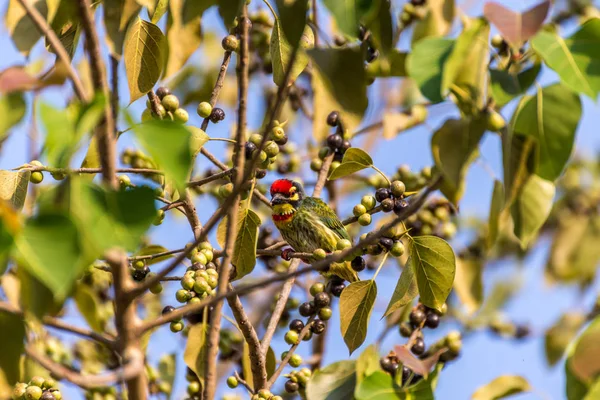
(400, 205)
(317, 327)
(296, 325)
(416, 317)
(383, 193)
(335, 141)
(217, 115)
(388, 365)
(405, 374)
(432, 321)
(261, 173)
(386, 243)
(333, 118)
(307, 309)
(387, 205)
(358, 264)
(372, 54)
(418, 347)
(162, 92)
(406, 329)
(250, 149)
(345, 145)
(167, 309)
(336, 290)
(291, 387)
(140, 274)
(322, 300)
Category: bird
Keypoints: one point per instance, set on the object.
(308, 223)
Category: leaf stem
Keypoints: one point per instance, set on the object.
(385, 256)
(382, 174)
(222, 140)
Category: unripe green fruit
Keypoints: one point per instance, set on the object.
(57, 395)
(36, 177)
(398, 188)
(295, 360)
(264, 394)
(226, 190)
(409, 8)
(204, 109)
(278, 133)
(205, 246)
(317, 288)
(156, 289)
(230, 43)
(419, 113)
(232, 382)
(364, 220)
(397, 249)
(495, 121)
(272, 149)
(164, 387)
(497, 41)
(182, 295)
(324, 152)
(319, 254)
(36, 163)
(176, 326)
(19, 390)
(181, 115)
(170, 102)
(213, 281)
(59, 176)
(201, 286)
(33, 393)
(124, 180)
(139, 264)
(37, 381)
(291, 337)
(194, 300)
(208, 254)
(262, 157)
(343, 244)
(193, 387)
(449, 229)
(325, 313)
(255, 138)
(405, 18)
(316, 164)
(359, 210)
(199, 258)
(147, 115)
(369, 202)
(161, 111)
(187, 282)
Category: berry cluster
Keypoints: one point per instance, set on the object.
(434, 219)
(38, 388)
(335, 143)
(155, 384)
(413, 181)
(319, 308)
(389, 198)
(391, 364)
(206, 110)
(167, 109)
(136, 158)
(391, 242)
(140, 271)
(56, 351)
(268, 156)
(297, 380)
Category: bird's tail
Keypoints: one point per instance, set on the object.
(344, 270)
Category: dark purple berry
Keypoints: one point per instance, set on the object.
(417, 2)
(417, 317)
(400, 205)
(388, 365)
(406, 372)
(345, 146)
(317, 327)
(362, 32)
(522, 331)
(167, 309)
(260, 173)
(307, 309)
(406, 329)
(418, 347)
(250, 149)
(372, 54)
(387, 205)
(282, 140)
(336, 290)
(291, 387)
(216, 115)
(139, 274)
(386, 243)
(335, 141)
(296, 325)
(162, 92)
(358, 264)
(322, 299)
(432, 321)
(333, 118)
(382, 193)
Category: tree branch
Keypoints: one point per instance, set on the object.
(45, 29)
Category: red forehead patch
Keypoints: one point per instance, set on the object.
(281, 186)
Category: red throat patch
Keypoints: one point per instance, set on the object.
(281, 186)
(282, 218)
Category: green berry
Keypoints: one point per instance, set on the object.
(57, 395)
(272, 149)
(369, 202)
(124, 180)
(291, 337)
(232, 382)
(316, 164)
(201, 286)
(398, 188)
(162, 111)
(295, 360)
(324, 152)
(181, 115)
(364, 220)
(226, 190)
(497, 41)
(343, 244)
(19, 390)
(208, 254)
(256, 139)
(59, 176)
(204, 109)
(397, 249)
(319, 254)
(495, 121)
(325, 313)
(36, 177)
(139, 264)
(37, 381)
(156, 289)
(278, 133)
(317, 288)
(187, 282)
(33, 393)
(147, 115)
(199, 258)
(36, 163)
(264, 394)
(170, 102)
(213, 281)
(449, 230)
(182, 295)
(205, 246)
(359, 210)
(193, 388)
(176, 326)
(230, 43)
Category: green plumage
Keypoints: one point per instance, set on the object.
(314, 225)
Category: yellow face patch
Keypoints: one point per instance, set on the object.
(283, 213)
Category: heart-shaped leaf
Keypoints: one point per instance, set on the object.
(13, 187)
(281, 54)
(506, 86)
(354, 160)
(356, 304)
(515, 27)
(405, 291)
(425, 65)
(244, 252)
(531, 208)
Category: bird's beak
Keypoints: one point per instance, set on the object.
(278, 199)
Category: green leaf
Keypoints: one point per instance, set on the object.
(543, 117)
(425, 65)
(502, 387)
(199, 138)
(169, 144)
(13, 334)
(378, 386)
(516, 27)
(292, 19)
(584, 361)
(244, 252)
(111, 218)
(560, 334)
(404, 293)
(367, 363)
(229, 10)
(437, 22)
(184, 34)
(575, 388)
(195, 349)
(145, 53)
(20, 26)
(281, 54)
(50, 249)
(167, 368)
(348, 13)
(153, 249)
(594, 392)
(496, 207)
(356, 304)
(434, 265)
(13, 187)
(341, 73)
(118, 16)
(270, 364)
(531, 209)
(159, 10)
(61, 142)
(465, 72)
(519, 158)
(454, 147)
(35, 296)
(379, 23)
(468, 283)
(576, 59)
(506, 86)
(90, 307)
(335, 381)
(354, 160)
(12, 107)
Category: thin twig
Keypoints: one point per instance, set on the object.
(214, 96)
(208, 179)
(72, 171)
(114, 91)
(243, 382)
(45, 29)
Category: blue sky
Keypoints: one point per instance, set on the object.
(484, 357)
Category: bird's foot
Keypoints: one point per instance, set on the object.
(285, 254)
